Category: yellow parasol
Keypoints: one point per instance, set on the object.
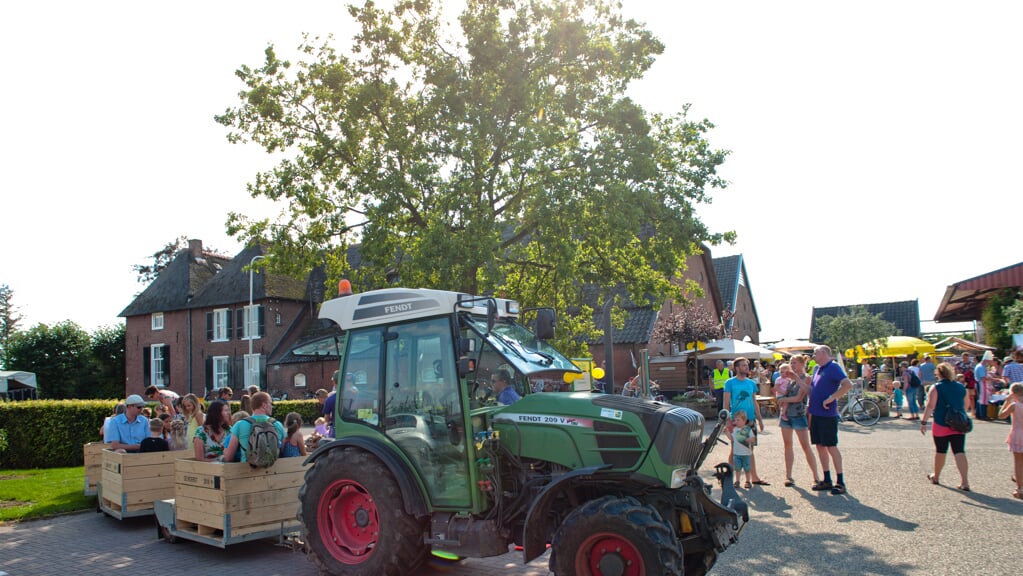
(895, 346)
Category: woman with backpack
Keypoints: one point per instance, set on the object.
(945, 397)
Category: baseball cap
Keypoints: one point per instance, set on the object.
(134, 400)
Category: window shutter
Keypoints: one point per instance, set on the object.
(241, 320)
(165, 372)
(227, 322)
(230, 373)
(146, 363)
(209, 326)
(262, 369)
(209, 372)
(262, 321)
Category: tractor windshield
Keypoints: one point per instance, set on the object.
(521, 348)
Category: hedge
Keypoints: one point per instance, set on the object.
(51, 433)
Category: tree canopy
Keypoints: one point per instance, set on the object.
(9, 320)
(501, 155)
(68, 362)
(687, 324)
(845, 331)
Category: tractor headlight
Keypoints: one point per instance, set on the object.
(678, 476)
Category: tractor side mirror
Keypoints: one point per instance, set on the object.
(545, 321)
(491, 314)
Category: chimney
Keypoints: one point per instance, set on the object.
(195, 248)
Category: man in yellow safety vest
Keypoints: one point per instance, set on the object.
(721, 375)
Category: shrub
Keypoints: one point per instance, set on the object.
(50, 433)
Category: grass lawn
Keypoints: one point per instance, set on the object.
(27, 494)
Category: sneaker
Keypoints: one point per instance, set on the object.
(838, 489)
(822, 485)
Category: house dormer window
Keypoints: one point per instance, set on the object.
(156, 320)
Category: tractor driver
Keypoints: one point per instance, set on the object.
(501, 383)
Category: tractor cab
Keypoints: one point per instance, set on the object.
(421, 368)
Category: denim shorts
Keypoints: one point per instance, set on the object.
(794, 422)
(741, 462)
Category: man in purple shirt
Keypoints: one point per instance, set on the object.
(828, 385)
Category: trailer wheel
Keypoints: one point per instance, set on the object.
(165, 533)
(613, 536)
(353, 517)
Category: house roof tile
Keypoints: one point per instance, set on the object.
(176, 285)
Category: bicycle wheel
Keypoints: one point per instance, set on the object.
(866, 412)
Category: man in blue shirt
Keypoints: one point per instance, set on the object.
(828, 385)
(501, 382)
(127, 431)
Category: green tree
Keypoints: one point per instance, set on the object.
(995, 320)
(106, 352)
(1014, 317)
(161, 258)
(846, 331)
(502, 156)
(59, 356)
(9, 320)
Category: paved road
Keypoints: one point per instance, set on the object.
(892, 522)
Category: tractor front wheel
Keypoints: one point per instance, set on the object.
(353, 517)
(613, 536)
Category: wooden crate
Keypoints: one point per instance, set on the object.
(230, 500)
(130, 483)
(93, 453)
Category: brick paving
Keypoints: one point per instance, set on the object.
(90, 544)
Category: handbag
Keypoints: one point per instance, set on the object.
(957, 419)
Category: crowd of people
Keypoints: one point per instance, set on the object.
(807, 400)
(212, 432)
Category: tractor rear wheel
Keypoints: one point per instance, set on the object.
(613, 536)
(353, 517)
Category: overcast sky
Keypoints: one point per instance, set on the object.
(874, 145)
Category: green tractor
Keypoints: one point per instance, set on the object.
(444, 442)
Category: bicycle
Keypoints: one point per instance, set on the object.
(863, 411)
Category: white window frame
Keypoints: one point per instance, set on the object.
(251, 330)
(156, 361)
(220, 317)
(221, 371)
(300, 380)
(156, 321)
(252, 370)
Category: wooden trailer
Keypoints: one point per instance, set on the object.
(221, 504)
(93, 454)
(130, 483)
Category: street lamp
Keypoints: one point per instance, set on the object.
(248, 313)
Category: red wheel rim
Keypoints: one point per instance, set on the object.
(607, 554)
(348, 521)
